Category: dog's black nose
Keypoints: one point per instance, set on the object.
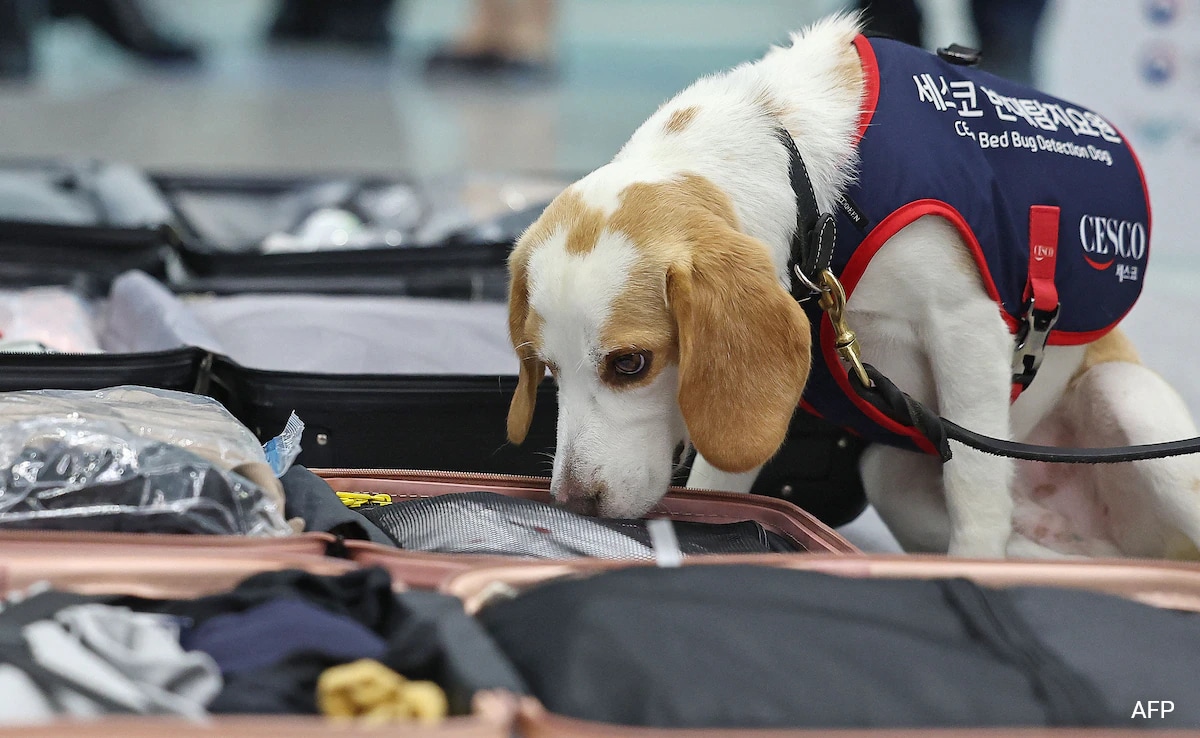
(582, 505)
(576, 496)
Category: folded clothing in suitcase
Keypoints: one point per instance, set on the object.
(736, 646)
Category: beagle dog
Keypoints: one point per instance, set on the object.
(658, 292)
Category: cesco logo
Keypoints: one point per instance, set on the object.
(1107, 239)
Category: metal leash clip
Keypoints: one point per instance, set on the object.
(813, 290)
(833, 302)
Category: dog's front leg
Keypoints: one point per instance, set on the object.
(969, 351)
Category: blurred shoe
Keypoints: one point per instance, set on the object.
(126, 23)
(447, 59)
(17, 21)
(298, 20)
(490, 64)
(365, 24)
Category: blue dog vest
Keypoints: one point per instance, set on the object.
(1049, 197)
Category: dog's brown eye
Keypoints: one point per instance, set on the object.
(630, 365)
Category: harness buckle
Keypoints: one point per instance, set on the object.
(1031, 339)
(833, 302)
(813, 289)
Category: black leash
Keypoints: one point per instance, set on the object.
(812, 254)
(894, 403)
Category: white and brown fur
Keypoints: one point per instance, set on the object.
(679, 248)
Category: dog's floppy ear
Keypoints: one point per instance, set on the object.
(520, 411)
(744, 348)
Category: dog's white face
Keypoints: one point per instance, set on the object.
(661, 323)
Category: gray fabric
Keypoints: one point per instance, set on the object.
(32, 197)
(360, 335)
(132, 659)
(309, 497)
(491, 523)
(313, 333)
(1129, 651)
(81, 194)
(143, 315)
(126, 195)
(21, 701)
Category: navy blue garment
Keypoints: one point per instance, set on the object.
(948, 140)
(276, 630)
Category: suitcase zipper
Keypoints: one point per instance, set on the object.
(485, 477)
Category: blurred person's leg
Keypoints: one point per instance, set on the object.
(529, 41)
(128, 24)
(476, 47)
(1007, 29)
(502, 36)
(899, 19)
(18, 18)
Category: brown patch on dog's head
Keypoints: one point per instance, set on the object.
(681, 119)
(569, 214)
(706, 296)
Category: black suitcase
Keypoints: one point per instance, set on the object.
(79, 222)
(438, 237)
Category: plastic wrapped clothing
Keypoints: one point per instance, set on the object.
(72, 473)
(199, 424)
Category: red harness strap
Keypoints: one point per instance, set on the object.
(1041, 296)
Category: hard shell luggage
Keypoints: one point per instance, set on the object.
(798, 528)
(166, 567)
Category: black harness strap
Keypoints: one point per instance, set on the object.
(816, 232)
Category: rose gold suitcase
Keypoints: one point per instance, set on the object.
(1161, 584)
(428, 570)
(178, 567)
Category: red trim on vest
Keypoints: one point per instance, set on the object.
(808, 408)
(1043, 257)
(870, 67)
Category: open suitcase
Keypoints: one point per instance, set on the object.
(185, 567)
(797, 529)
(1173, 587)
(66, 221)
